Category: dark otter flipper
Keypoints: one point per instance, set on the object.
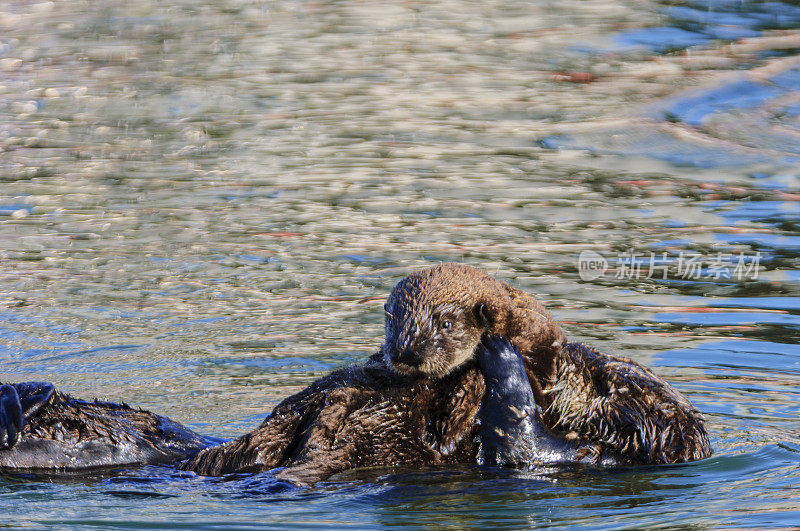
(511, 431)
(10, 417)
(18, 403)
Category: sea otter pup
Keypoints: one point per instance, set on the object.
(417, 399)
(42, 428)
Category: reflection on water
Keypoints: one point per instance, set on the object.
(203, 205)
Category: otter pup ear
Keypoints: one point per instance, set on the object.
(483, 315)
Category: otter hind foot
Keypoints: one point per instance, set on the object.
(10, 417)
(511, 428)
(508, 415)
(18, 403)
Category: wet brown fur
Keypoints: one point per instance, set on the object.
(389, 412)
(473, 303)
(366, 415)
(623, 407)
(386, 413)
(392, 410)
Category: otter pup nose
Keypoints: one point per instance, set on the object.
(408, 357)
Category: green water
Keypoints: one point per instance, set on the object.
(204, 204)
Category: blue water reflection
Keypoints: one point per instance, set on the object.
(660, 39)
(740, 121)
(741, 354)
(738, 95)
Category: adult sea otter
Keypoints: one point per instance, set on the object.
(423, 398)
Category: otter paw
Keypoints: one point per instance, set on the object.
(32, 396)
(589, 454)
(10, 417)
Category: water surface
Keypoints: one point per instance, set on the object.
(204, 205)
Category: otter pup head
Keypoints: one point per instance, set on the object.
(435, 318)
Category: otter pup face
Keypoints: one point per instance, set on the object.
(431, 340)
(435, 318)
(433, 322)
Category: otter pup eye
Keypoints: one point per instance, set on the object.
(445, 324)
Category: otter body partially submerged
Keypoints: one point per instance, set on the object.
(420, 399)
(57, 431)
(612, 410)
(620, 408)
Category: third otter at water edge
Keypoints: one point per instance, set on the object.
(424, 399)
(417, 399)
